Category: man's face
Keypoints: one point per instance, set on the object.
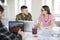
(1, 14)
(24, 11)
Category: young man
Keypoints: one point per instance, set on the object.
(4, 33)
(24, 15)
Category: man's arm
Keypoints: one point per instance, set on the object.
(5, 35)
(17, 18)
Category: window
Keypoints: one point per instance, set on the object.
(54, 6)
(27, 3)
(20, 3)
(47, 2)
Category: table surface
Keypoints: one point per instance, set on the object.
(41, 36)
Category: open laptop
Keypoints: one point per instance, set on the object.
(14, 26)
(28, 25)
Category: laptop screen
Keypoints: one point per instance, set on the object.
(28, 25)
(14, 26)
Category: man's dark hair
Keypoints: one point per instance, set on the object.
(23, 7)
(1, 9)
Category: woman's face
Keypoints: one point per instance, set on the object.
(43, 11)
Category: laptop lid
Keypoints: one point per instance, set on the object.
(14, 26)
(28, 25)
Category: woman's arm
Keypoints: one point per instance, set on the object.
(51, 24)
(38, 24)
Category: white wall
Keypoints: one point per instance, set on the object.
(9, 12)
(36, 6)
(11, 9)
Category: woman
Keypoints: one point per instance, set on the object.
(46, 18)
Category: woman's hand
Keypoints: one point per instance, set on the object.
(47, 27)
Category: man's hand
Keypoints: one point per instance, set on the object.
(21, 32)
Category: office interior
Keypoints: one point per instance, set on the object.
(12, 8)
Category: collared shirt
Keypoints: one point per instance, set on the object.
(21, 17)
(48, 22)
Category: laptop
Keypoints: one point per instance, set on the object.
(14, 26)
(28, 25)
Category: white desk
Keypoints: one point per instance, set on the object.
(29, 36)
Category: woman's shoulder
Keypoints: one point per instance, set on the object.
(51, 15)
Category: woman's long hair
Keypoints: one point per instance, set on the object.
(46, 8)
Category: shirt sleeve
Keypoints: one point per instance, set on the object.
(5, 35)
(30, 17)
(52, 17)
(10, 37)
(17, 18)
